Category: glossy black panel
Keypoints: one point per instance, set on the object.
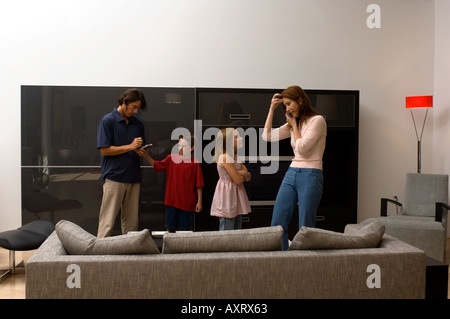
(59, 124)
(236, 107)
(249, 107)
(60, 159)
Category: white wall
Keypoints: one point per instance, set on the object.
(441, 136)
(317, 44)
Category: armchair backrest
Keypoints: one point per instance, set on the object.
(422, 191)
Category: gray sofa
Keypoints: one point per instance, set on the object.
(247, 265)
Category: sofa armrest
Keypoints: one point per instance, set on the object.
(50, 248)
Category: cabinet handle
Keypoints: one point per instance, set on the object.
(245, 219)
(240, 116)
(262, 203)
(320, 218)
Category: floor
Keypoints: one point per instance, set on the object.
(13, 287)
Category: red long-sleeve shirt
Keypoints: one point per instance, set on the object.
(184, 176)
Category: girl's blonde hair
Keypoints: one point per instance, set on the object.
(224, 145)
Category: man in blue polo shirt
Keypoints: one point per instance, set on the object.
(120, 134)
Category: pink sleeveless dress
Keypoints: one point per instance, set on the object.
(229, 199)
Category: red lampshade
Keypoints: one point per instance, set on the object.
(419, 101)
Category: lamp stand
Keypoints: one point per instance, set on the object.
(419, 151)
(419, 140)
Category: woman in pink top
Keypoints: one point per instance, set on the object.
(230, 199)
(303, 181)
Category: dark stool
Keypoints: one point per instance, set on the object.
(27, 237)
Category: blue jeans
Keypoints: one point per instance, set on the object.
(230, 223)
(302, 186)
(177, 218)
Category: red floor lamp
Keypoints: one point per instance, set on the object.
(415, 102)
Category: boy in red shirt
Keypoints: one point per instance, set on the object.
(184, 185)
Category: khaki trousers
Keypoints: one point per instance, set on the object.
(124, 196)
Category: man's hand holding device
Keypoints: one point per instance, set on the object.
(146, 146)
(143, 150)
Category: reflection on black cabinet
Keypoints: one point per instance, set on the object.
(249, 107)
(235, 107)
(59, 124)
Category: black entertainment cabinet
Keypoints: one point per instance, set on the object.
(59, 154)
(247, 109)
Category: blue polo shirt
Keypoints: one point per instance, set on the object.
(113, 130)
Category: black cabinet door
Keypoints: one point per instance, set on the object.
(59, 148)
(247, 108)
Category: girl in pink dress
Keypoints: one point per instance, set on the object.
(230, 199)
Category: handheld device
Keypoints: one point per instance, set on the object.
(146, 146)
(289, 114)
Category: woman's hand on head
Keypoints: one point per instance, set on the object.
(276, 100)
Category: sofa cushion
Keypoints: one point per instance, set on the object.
(77, 241)
(254, 239)
(368, 236)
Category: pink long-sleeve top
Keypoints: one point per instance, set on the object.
(309, 148)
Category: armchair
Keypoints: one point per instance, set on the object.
(421, 218)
